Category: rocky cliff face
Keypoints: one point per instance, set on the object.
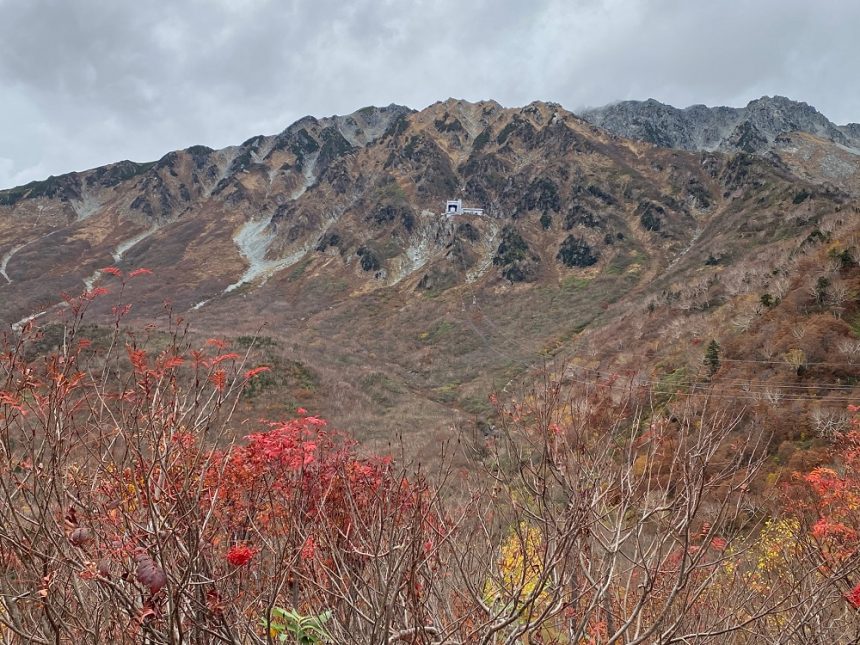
(752, 129)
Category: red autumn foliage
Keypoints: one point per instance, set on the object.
(138, 359)
(240, 554)
(251, 373)
(308, 548)
(94, 293)
(218, 378)
(12, 401)
(853, 597)
(130, 509)
(299, 472)
(828, 497)
(230, 356)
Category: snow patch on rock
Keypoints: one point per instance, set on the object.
(117, 254)
(489, 245)
(124, 247)
(4, 262)
(255, 237)
(433, 233)
(18, 326)
(87, 206)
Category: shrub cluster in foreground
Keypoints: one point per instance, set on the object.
(130, 512)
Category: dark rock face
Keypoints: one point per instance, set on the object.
(517, 127)
(576, 252)
(469, 232)
(698, 193)
(338, 175)
(63, 187)
(542, 195)
(332, 238)
(388, 213)
(650, 215)
(753, 128)
(579, 215)
(598, 193)
(747, 138)
(513, 257)
(108, 176)
(168, 162)
(199, 155)
(397, 127)
(852, 131)
(157, 198)
(481, 140)
(742, 170)
(241, 162)
(298, 140)
(334, 145)
(545, 221)
(429, 165)
(558, 138)
(448, 124)
(142, 204)
(369, 259)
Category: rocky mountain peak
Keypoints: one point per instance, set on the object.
(753, 128)
(777, 115)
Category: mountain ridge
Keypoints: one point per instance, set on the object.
(331, 233)
(752, 128)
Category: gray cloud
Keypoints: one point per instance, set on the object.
(93, 81)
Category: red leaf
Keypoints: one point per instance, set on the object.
(232, 356)
(150, 574)
(255, 371)
(240, 554)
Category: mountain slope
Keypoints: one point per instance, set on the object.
(397, 317)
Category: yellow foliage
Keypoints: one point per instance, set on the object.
(640, 466)
(776, 539)
(795, 357)
(772, 479)
(520, 567)
(770, 554)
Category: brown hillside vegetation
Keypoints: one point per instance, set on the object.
(610, 255)
(130, 513)
(616, 407)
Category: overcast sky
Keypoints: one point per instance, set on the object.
(87, 82)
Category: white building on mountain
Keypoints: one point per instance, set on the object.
(455, 207)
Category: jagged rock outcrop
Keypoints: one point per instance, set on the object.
(753, 128)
